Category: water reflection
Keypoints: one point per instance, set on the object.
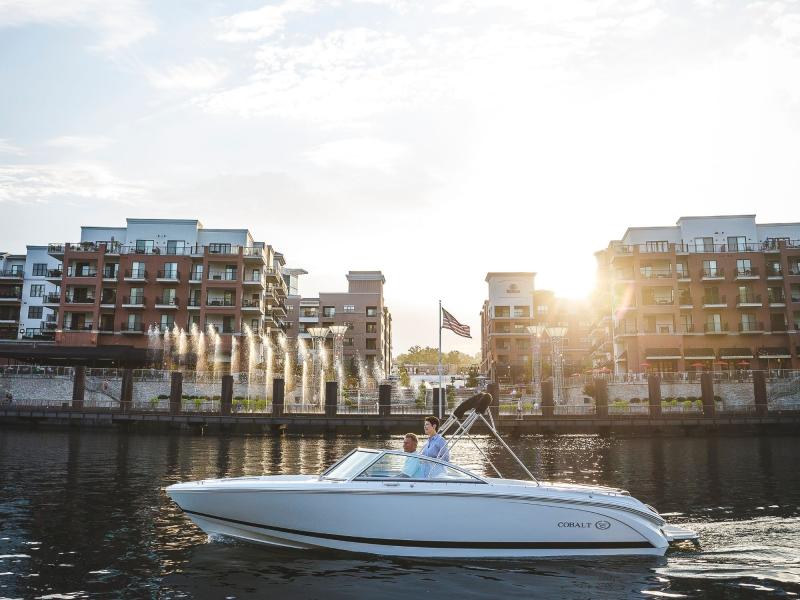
(84, 514)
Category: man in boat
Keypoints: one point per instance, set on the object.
(412, 468)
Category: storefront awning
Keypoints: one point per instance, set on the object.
(699, 354)
(662, 354)
(734, 353)
(774, 353)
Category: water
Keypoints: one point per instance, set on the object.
(83, 514)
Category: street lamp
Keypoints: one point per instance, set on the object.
(536, 331)
(338, 331)
(557, 333)
(318, 334)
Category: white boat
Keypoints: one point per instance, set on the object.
(393, 503)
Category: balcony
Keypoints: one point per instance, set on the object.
(309, 318)
(79, 299)
(746, 327)
(685, 301)
(794, 270)
(193, 304)
(687, 329)
(253, 253)
(715, 302)
(81, 272)
(79, 327)
(259, 282)
(168, 276)
(51, 299)
(219, 302)
(110, 274)
(715, 328)
(136, 275)
(775, 274)
(223, 249)
(683, 275)
(196, 277)
(252, 305)
(712, 274)
(272, 275)
(223, 276)
(167, 303)
(13, 274)
(279, 310)
(131, 328)
(623, 330)
(657, 301)
(646, 273)
(54, 274)
(777, 300)
(10, 297)
(55, 250)
(748, 273)
(108, 301)
(623, 275)
(748, 300)
(133, 302)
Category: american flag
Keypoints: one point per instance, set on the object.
(451, 323)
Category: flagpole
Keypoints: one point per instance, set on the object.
(440, 357)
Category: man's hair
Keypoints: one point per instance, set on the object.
(413, 436)
(433, 421)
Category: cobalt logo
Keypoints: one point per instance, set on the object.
(602, 525)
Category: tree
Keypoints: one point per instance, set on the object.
(405, 380)
(472, 377)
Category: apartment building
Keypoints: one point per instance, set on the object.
(513, 305)
(37, 321)
(12, 279)
(505, 317)
(361, 308)
(117, 281)
(716, 290)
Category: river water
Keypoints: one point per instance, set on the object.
(83, 514)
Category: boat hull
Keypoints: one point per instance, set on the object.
(438, 521)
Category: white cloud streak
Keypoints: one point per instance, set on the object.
(200, 74)
(6, 147)
(80, 143)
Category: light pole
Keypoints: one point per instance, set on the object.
(318, 334)
(338, 332)
(557, 333)
(536, 331)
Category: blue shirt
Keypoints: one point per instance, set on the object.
(436, 447)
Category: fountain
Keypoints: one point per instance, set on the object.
(302, 358)
(182, 345)
(153, 345)
(269, 355)
(234, 355)
(199, 348)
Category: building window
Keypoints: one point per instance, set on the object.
(176, 246)
(372, 328)
(137, 270)
(197, 273)
(137, 296)
(348, 341)
(542, 309)
(37, 290)
(704, 244)
(522, 312)
(501, 312)
(328, 311)
(39, 269)
(144, 246)
(797, 320)
(371, 344)
(34, 312)
(167, 322)
(372, 311)
(349, 308)
(710, 268)
(170, 270)
(737, 243)
(219, 248)
(659, 246)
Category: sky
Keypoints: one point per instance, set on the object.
(435, 141)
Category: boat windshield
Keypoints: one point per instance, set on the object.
(414, 466)
(350, 465)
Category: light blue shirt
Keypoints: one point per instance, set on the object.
(436, 447)
(413, 467)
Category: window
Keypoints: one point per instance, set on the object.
(660, 246)
(501, 312)
(776, 295)
(372, 328)
(774, 268)
(37, 290)
(737, 243)
(197, 273)
(348, 341)
(686, 323)
(137, 296)
(774, 243)
(168, 296)
(170, 270)
(219, 248)
(39, 269)
(137, 270)
(134, 321)
(254, 324)
(372, 311)
(522, 312)
(403, 466)
(328, 311)
(144, 246)
(714, 322)
(522, 345)
(167, 322)
(795, 292)
(710, 268)
(682, 269)
(34, 312)
(349, 308)
(748, 322)
(176, 246)
(777, 322)
(797, 320)
(704, 244)
(744, 267)
(542, 309)
(371, 344)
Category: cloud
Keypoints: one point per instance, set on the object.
(200, 74)
(6, 147)
(362, 153)
(263, 22)
(81, 143)
(42, 183)
(120, 23)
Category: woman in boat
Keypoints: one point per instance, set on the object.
(436, 446)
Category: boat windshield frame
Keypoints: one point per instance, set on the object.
(471, 477)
